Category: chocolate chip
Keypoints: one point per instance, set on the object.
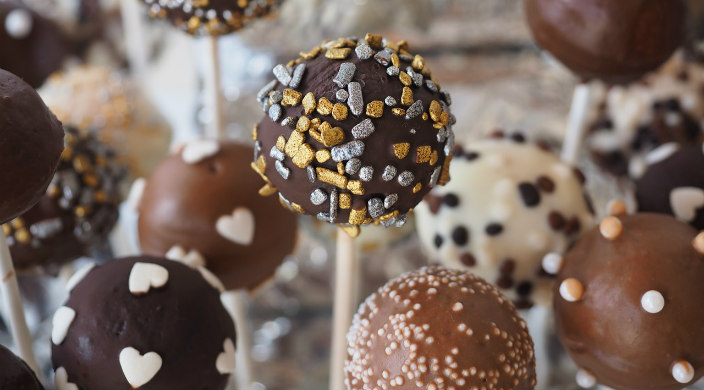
(468, 260)
(494, 229)
(507, 267)
(504, 282)
(437, 241)
(524, 288)
(545, 184)
(529, 194)
(451, 200)
(460, 235)
(556, 220)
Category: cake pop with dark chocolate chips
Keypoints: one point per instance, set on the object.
(15, 373)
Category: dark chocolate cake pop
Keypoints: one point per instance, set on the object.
(357, 132)
(15, 373)
(78, 211)
(615, 41)
(436, 328)
(628, 303)
(143, 323)
(32, 141)
(203, 203)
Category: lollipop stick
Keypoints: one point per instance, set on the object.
(343, 306)
(236, 303)
(135, 45)
(576, 123)
(12, 301)
(213, 100)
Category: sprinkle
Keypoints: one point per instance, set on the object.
(401, 150)
(311, 54)
(267, 190)
(652, 301)
(366, 173)
(398, 111)
(698, 243)
(264, 92)
(308, 103)
(356, 187)
(435, 110)
(341, 168)
(331, 177)
(322, 155)
(407, 96)
(423, 154)
(291, 98)
(417, 78)
(374, 40)
(418, 63)
(405, 79)
(682, 371)
(331, 135)
(571, 290)
(363, 130)
(616, 208)
(281, 143)
(417, 188)
(357, 216)
(303, 124)
(303, 156)
(345, 201)
(324, 106)
(276, 96)
(336, 53)
(312, 177)
(288, 121)
(355, 101)
(390, 200)
(353, 166)
(433, 158)
(450, 144)
(375, 207)
(275, 153)
(390, 101)
(414, 110)
(318, 197)
(342, 95)
(375, 109)
(431, 85)
(339, 112)
(297, 75)
(275, 112)
(393, 71)
(283, 171)
(610, 228)
(333, 204)
(282, 74)
(552, 263)
(405, 178)
(345, 74)
(295, 141)
(347, 151)
(389, 173)
(585, 379)
(364, 51)
(383, 57)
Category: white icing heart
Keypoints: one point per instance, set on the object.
(198, 150)
(146, 275)
(685, 201)
(137, 368)
(225, 362)
(192, 258)
(238, 227)
(18, 23)
(63, 317)
(61, 380)
(78, 276)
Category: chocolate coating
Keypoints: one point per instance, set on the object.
(368, 157)
(436, 325)
(615, 41)
(32, 141)
(15, 373)
(78, 210)
(607, 330)
(182, 321)
(183, 203)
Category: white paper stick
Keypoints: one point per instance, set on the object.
(343, 306)
(576, 123)
(213, 99)
(236, 303)
(135, 37)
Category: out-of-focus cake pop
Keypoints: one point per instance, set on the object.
(356, 132)
(202, 204)
(77, 212)
(614, 41)
(163, 327)
(94, 98)
(510, 204)
(628, 303)
(15, 373)
(437, 328)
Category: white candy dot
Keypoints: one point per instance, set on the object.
(585, 379)
(18, 23)
(552, 263)
(683, 372)
(652, 301)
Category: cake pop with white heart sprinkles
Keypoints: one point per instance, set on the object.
(628, 303)
(356, 132)
(143, 323)
(437, 328)
(510, 204)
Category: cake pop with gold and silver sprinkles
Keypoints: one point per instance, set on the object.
(628, 303)
(510, 204)
(356, 132)
(437, 328)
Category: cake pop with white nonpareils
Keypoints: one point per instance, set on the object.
(510, 204)
(16, 374)
(639, 278)
(164, 327)
(437, 328)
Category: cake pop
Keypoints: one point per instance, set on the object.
(165, 327)
(202, 202)
(615, 41)
(356, 132)
(437, 328)
(510, 204)
(77, 212)
(627, 303)
(32, 141)
(15, 373)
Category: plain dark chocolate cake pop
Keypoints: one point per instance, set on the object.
(15, 373)
(202, 203)
(32, 141)
(615, 41)
(628, 303)
(356, 132)
(437, 328)
(143, 323)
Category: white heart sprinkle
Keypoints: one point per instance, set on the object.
(685, 201)
(198, 150)
(238, 227)
(61, 380)
(225, 362)
(137, 368)
(18, 23)
(146, 275)
(78, 276)
(192, 258)
(212, 280)
(63, 317)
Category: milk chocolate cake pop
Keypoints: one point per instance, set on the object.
(436, 328)
(78, 211)
(203, 203)
(356, 132)
(15, 373)
(32, 141)
(510, 204)
(628, 303)
(615, 41)
(143, 323)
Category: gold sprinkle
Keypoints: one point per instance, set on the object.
(423, 154)
(407, 96)
(291, 98)
(297, 208)
(345, 200)
(610, 228)
(6, 229)
(260, 167)
(341, 168)
(82, 164)
(445, 174)
(357, 217)
(308, 103)
(373, 40)
(303, 124)
(331, 135)
(339, 111)
(398, 111)
(91, 180)
(331, 177)
(17, 223)
(617, 208)
(324, 106)
(403, 46)
(53, 191)
(294, 142)
(395, 61)
(315, 123)
(336, 53)
(401, 150)
(101, 197)
(193, 23)
(81, 211)
(67, 154)
(304, 156)
(309, 55)
(315, 135)
(425, 116)
(291, 63)
(434, 157)
(352, 231)
(267, 190)
(435, 110)
(255, 132)
(356, 187)
(418, 63)
(445, 118)
(322, 155)
(281, 143)
(438, 125)
(392, 45)
(417, 188)
(698, 243)
(22, 235)
(375, 109)
(405, 79)
(388, 216)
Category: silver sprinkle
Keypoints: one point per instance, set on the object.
(47, 228)
(405, 57)
(442, 135)
(364, 51)
(257, 149)
(446, 97)
(366, 173)
(450, 144)
(283, 171)
(352, 166)
(355, 101)
(325, 217)
(363, 129)
(412, 131)
(390, 101)
(383, 57)
(393, 71)
(318, 197)
(347, 151)
(288, 121)
(435, 177)
(417, 79)
(453, 119)
(414, 110)
(297, 76)
(275, 112)
(401, 220)
(333, 204)
(265, 106)
(375, 206)
(345, 74)
(276, 97)
(286, 201)
(388, 223)
(431, 85)
(390, 200)
(282, 74)
(264, 92)
(69, 184)
(389, 173)
(312, 176)
(342, 95)
(405, 178)
(275, 153)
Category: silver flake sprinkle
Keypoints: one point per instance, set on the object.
(347, 151)
(431, 85)
(288, 121)
(383, 57)
(297, 76)
(276, 97)
(390, 200)
(389, 173)
(450, 144)
(286, 201)
(318, 197)
(393, 71)
(352, 166)
(345, 74)
(333, 204)
(282, 74)
(417, 79)
(446, 97)
(405, 178)
(442, 135)
(355, 101)
(312, 176)
(257, 149)
(264, 92)
(47, 228)
(435, 177)
(363, 129)
(366, 173)
(375, 206)
(275, 153)
(325, 217)
(275, 112)
(283, 171)
(390, 101)
(401, 220)
(414, 110)
(453, 119)
(412, 131)
(342, 95)
(265, 106)
(364, 51)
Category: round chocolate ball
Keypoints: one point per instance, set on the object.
(615, 41)
(78, 210)
(202, 204)
(436, 328)
(32, 141)
(143, 323)
(15, 373)
(628, 303)
(210, 17)
(357, 132)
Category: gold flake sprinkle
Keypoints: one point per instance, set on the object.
(407, 96)
(303, 124)
(82, 164)
(22, 235)
(255, 132)
(81, 211)
(418, 63)
(445, 174)
(308, 103)
(438, 125)
(297, 208)
(332, 136)
(339, 111)
(445, 118)
(17, 223)
(357, 217)
(322, 155)
(267, 190)
(405, 79)
(315, 135)
(417, 188)
(324, 106)
(398, 111)
(423, 154)
(335, 53)
(373, 40)
(375, 109)
(341, 168)
(315, 123)
(356, 187)
(388, 216)
(91, 180)
(304, 156)
(260, 168)
(352, 231)
(291, 98)
(345, 200)
(53, 191)
(281, 143)
(425, 116)
(401, 150)
(395, 61)
(435, 110)
(403, 46)
(294, 142)
(101, 196)
(331, 177)
(392, 45)
(6, 229)
(434, 157)
(309, 55)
